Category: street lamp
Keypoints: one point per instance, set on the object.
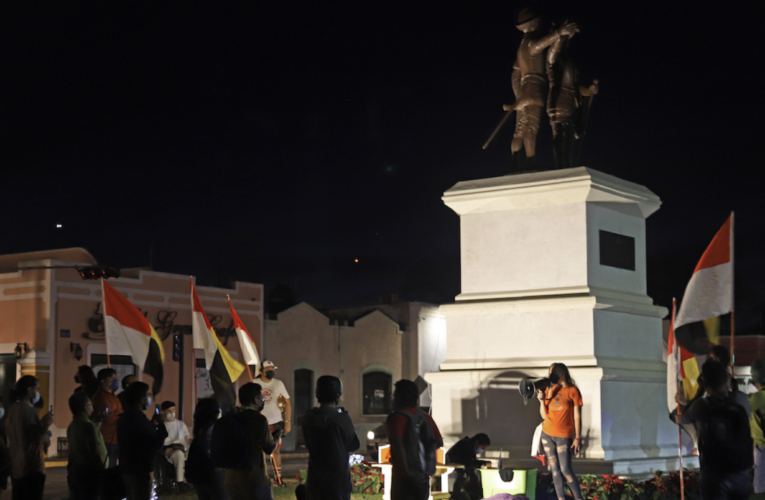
(73, 347)
(19, 351)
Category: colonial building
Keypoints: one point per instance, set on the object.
(51, 321)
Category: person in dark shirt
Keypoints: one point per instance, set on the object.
(252, 483)
(140, 439)
(464, 453)
(126, 381)
(408, 458)
(329, 437)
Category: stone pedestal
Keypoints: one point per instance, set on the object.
(553, 270)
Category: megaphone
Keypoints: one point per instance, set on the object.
(528, 387)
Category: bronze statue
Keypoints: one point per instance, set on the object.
(564, 101)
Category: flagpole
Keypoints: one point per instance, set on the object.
(732, 298)
(106, 337)
(675, 352)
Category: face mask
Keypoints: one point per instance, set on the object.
(148, 403)
(170, 417)
(554, 378)
(2, 412)
(478, 451)
(36, 398)
(220, 413)
(114, 385)
(260, 403)
(77, 379)
(270, 374)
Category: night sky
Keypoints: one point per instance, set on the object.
(280, 141)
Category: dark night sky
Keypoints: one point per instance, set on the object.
(277, 143)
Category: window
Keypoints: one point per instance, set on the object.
(376, 387)
(617, 250)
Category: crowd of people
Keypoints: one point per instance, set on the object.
(115, 449)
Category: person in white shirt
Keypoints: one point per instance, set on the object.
(273, 392)
(176, 444)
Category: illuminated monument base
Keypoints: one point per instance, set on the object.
(554, 270)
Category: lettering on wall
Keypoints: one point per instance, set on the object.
(164, 325)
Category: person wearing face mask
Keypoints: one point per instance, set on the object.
(251, 482)
(464, 453)
(140, 439)
(87, 452)
(126, 381)
(105, 398)
(273, 391)
(560, 405)
(176, 444)
(25, 440)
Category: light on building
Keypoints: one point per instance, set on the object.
(371, 435)
(21, 348)
(59, 226)
(76, 349)
(356, 261)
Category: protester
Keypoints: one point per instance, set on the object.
(412, 446)
(25, 440)
(725, 440)
(139, 439)
(5, 455)
(210, 482)
(757, 424)
(87, 452)
(88, 383)
(126, 381)
(107, 408)
(176, 444)
(721, 354)
(464, 453)
(330, 437)
(561, 409)
(274, 391)
(251, 482)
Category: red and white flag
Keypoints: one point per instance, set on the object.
(249, 349)
(709, 294)
(682, 365)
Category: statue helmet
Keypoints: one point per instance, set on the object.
(527, 14)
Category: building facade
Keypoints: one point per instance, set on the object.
(49, 317)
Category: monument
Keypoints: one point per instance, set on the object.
(553, 268)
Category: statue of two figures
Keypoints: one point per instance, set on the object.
(544, 56)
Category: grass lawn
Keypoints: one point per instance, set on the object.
(285, 493)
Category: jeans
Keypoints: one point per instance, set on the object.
(559, 455)
(731, 486)
(29, 487)
(113, 451)
(759, 469)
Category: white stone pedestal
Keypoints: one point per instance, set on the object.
(540, 285)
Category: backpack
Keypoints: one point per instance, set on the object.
(420, 443)
(228, 446)
(725, 441)
(199, 465)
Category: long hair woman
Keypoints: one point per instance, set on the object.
(205, 416)
(560, 406)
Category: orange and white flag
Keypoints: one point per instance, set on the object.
(249, 349)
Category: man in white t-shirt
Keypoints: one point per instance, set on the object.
(176, 444)
(273, 392)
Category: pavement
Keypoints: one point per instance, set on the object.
(57, 489)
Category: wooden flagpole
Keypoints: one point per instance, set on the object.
(678, 359)
(106, 337)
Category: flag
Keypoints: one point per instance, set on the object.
(129, 333)
(709, 294)
(682, 365)
(249, 349)
(223, 369)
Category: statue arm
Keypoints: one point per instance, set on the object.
(516, 79)
(538, 46)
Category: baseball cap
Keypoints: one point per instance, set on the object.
(269, 364)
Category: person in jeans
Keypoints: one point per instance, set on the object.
(206, 414)
(25, 440)
(329, 437)
(720, 484)
(252, 483)
(87, 452)
(560, 406)
(106, 408)
(140, 439)
(757, 424)
(410, 481)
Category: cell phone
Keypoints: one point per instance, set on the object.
(50, 409)
(340, 409)
(156, 409)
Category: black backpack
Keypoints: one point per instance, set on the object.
(725, 440)
(420, 442)
(228, 446)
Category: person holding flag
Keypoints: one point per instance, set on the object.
(274, 391)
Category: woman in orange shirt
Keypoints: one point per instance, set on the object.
(561, 408)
